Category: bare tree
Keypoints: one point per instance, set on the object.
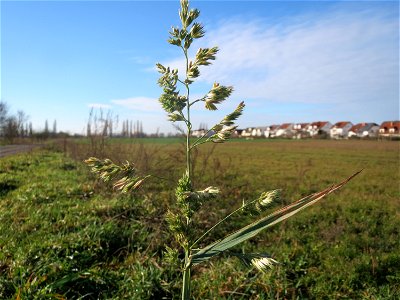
(141, 130)
(10, 128)
(21, 119)
(3, 113)
(54, 128)
(46, 127)
(46, 131)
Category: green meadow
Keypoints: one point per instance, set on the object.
(64, 235)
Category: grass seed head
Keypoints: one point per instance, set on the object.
(263, 263)
(267, 198)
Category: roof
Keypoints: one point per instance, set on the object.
(319, 124)
(357, 127)
(362, 127)
(302, 124)
(341, 124)
(285, 125)
(391, 124)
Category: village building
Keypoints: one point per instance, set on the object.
(200, 132)
(340, 130)
(285, 130)
(238, 132)
(258, 132)
(390, 129)
(246, 133)
(270, 131)
(319, 128)
(253, 132)
(364, 130)
(300, 130)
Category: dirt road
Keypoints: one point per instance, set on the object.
(15, 149)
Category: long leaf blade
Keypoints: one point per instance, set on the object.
(254, 228)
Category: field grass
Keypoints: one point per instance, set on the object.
(63, 236)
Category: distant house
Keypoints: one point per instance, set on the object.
(300, 130)
(247, 132)
(200, 132)
(364, 130)
(258, 132)
(270, 131)
(252, 132)
(390, 129)
(238, 133)
(340, 130)
(319, 128)
(285, 130)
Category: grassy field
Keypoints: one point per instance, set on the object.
(64, 236)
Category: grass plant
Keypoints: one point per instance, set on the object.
(66, 235)
(189, 200)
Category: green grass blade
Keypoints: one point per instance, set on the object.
(186, 284)
(254, 228)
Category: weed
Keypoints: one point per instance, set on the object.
(180, 217)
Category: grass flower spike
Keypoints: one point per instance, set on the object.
(125, 177)
(263, 263)
(217, 94)
(267, 198)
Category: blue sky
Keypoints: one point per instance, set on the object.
(290, 61)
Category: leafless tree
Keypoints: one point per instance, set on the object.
(3, 117)
(21, 120)
(54, 128)
(11, 126)
(10, 129)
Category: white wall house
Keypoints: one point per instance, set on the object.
(284, 130)
(340, 130)
(258, 132)
(364, 130)
(390, 129)
(238, 132)
(316, 128)
(198, 132)
(300, 130)
(270, 131)
(247, 132)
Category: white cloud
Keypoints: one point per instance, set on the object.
(99, 105)
(334, 65)
(141, 104)
(140, 60)
(337, 57)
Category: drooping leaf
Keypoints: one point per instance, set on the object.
(254, 228)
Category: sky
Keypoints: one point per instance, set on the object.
(290, 61)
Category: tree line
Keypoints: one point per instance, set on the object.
(99, 124)
(13, 126)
